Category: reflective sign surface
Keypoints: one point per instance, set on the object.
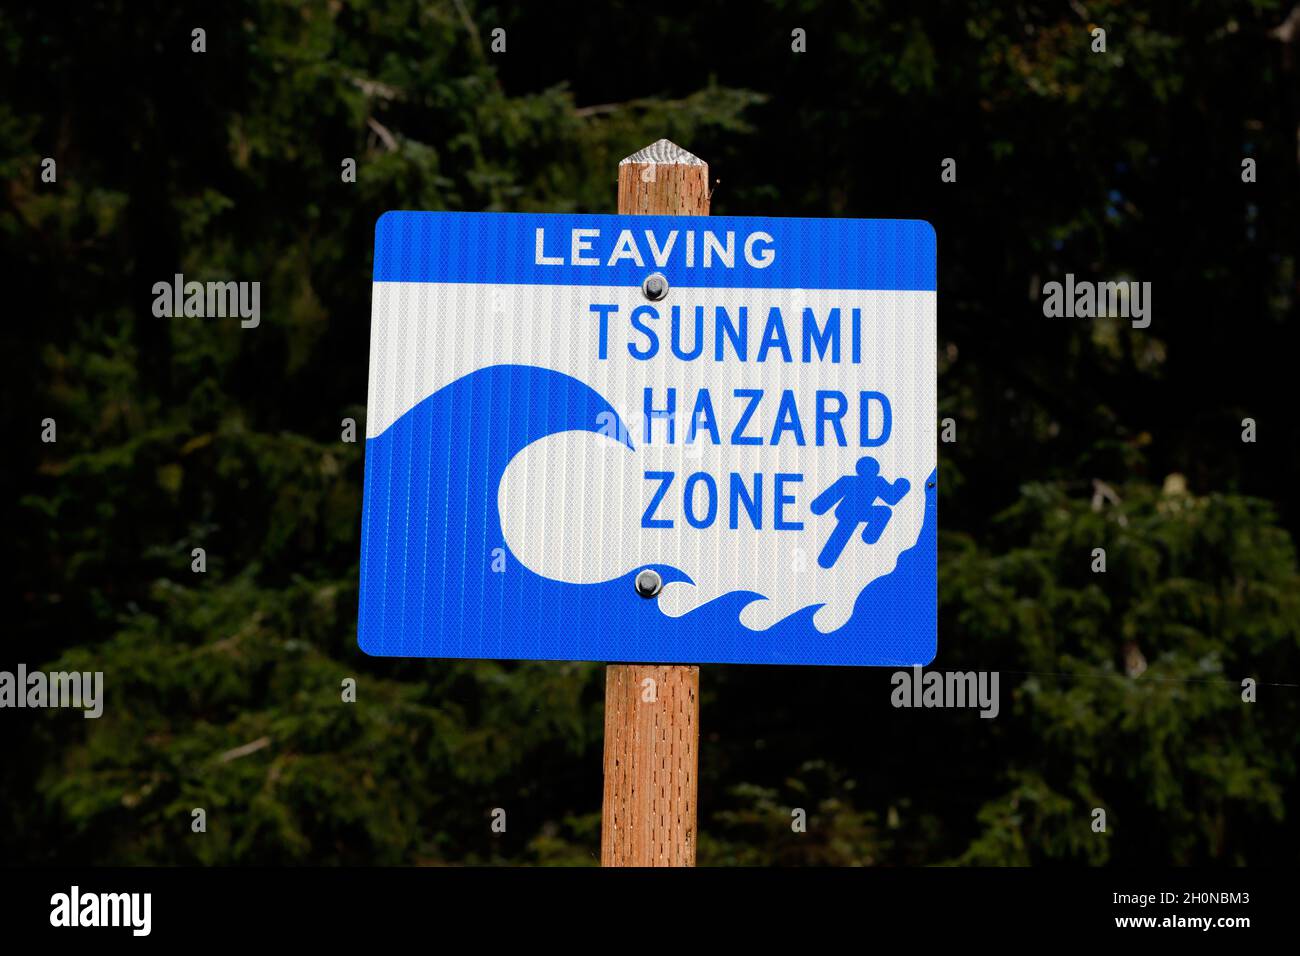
(651, 438)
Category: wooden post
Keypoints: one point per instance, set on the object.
(652, 730)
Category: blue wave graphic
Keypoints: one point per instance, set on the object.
(430, 528)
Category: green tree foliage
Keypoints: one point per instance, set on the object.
(1132, 691)
(1119, 690)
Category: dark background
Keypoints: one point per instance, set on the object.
(1119, 690)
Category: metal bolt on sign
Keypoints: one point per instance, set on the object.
(655, 286)
(648, 583)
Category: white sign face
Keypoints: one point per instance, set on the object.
(650, 438)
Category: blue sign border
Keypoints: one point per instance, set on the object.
(431, 533)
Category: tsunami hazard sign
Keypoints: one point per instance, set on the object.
(657, 439)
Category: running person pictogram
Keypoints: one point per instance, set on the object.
(854, 499)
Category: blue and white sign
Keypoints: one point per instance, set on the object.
(651, 438)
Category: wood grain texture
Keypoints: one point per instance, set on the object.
(652, 746)
(651, 765)
(648, 186)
